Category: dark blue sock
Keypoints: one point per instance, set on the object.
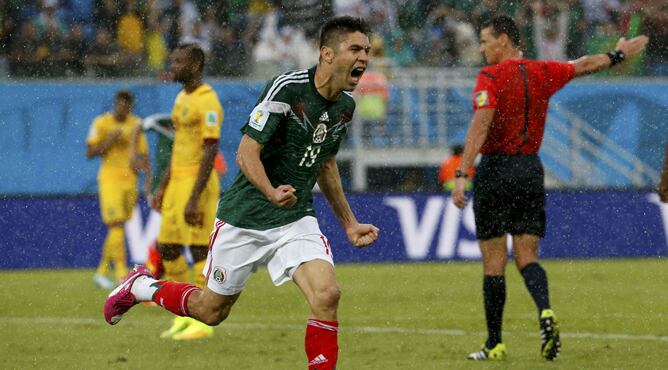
(494, 293)
(535, 280)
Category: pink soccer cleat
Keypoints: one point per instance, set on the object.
(120, 300)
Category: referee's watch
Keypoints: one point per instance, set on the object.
(459, 173)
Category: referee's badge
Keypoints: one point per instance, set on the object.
(481, 99)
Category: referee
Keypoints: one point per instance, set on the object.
(510, 104)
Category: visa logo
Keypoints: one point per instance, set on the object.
(419, 230)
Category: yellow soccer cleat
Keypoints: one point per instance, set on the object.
(550, 345)
(497, 353)
(179, 324)
(196, 330)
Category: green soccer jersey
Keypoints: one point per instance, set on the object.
(299, 129)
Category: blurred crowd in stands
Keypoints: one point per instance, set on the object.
(132, 38)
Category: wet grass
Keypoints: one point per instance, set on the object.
(614, 314)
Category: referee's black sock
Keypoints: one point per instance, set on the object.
(494, 292)
(535, 280)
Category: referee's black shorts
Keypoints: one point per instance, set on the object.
(509, 196)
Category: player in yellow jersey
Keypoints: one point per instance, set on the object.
(189, 190)
(110, 138)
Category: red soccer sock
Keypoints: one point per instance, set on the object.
(321, 344)
(173, 296)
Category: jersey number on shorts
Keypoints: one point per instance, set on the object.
(309, 156)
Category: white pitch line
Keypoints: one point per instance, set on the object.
(355, 329)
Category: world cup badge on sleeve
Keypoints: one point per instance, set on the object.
(481, 99)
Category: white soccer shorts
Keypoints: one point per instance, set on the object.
(235, 253)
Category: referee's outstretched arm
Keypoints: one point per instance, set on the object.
(625, 48)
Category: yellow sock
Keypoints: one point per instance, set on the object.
(117, 254)
(177, 270)
(105, 259)
(198, 273)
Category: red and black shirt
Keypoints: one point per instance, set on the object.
(519, 90)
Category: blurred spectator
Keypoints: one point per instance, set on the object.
(284, 33)
(372, 95)
(105, 58)
(357, 8)
(48, 19)
(23, 59)
(308, 15)
(228, 54)
(187, 16)
(601, 12)
(441, 37)
(105, 15)
(156, 45)
(8, 17)
(486, 9)
(180, 14)
(382, 16)
(198, 35)
(655, 25)
(577, 28)
(550, 29)
(398, 50)
(74, 51)
(130, 30)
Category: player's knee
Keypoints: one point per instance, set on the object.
(328, 296)
(169, 252)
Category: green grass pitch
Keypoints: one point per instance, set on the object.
(613, 314)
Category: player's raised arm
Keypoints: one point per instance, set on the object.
(625, 49)
(248, 159)
(329, 181)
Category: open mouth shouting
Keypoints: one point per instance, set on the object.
(357, 73)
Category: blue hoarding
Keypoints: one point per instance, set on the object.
(56, 232)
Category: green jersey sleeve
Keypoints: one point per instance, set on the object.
(270, 111)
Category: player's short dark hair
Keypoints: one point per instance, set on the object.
(503, 24)
(333, 29)
(195, 53)
(125, 95)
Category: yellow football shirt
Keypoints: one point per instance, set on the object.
(116, 163)
(196, 116)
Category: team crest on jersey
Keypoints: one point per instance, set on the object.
(219, 275)
(258, 118)
(211, 118)
(481, 99)
(320, 133)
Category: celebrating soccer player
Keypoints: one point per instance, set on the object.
(289, 143)
(110, 137)
(510, 104)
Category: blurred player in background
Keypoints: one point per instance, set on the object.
(110, 137)
(663, 184)
(188, 192)
(161, 124)
(446, 174)
(289, 143)
(510, 105)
